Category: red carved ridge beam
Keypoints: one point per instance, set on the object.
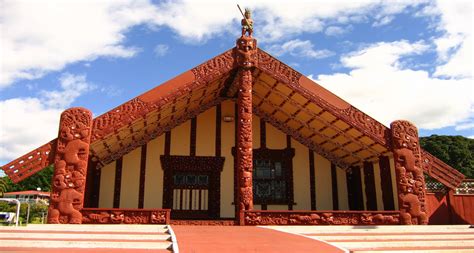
(125, 216)
(259, 217)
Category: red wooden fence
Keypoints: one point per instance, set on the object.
(449, 208)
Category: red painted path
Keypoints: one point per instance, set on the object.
(230, 239)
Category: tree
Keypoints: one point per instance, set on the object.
(41, 179)
(456, 151)
(3, 186)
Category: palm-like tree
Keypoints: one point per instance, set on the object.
(3, 185)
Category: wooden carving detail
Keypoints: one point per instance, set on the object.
(300, 138)
(277, 69)
(409, 173)
(125, 216)
(210, 165)
(70, 166)
(245, 52)
(440, 171)
(244, 141)
(365, 124)
(320, 218)
(214, 68)
(31, 163)
(351, 115)
(158, 131)
(120, 116)
(246, 59)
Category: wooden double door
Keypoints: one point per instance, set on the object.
(192, 186)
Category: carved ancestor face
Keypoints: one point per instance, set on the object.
(246, 44)
(246, 179)
(246, 52)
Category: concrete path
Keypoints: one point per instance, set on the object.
(230, 239)
(417, 239)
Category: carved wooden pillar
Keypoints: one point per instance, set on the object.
(409, 173)
(70, 166)
(246, 54)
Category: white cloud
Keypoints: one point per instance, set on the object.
(72, 86)
(379, 86)
(383, 21)
(454, 47)
(161, 50)
(299, 48)
(39, 37)
(19, 128)
(465, 126)
(26, 123)
(335, 31)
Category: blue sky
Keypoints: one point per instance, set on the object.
(393, 60)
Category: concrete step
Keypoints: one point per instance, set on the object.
(452, 250)
(361, 237)
(67, 244)
(85, 238)
(372, 245)
(92, 228)
(373, 229)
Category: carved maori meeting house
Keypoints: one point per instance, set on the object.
(242, 137)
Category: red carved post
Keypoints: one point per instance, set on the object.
(409, 173)
(70, 166)
(246, 58)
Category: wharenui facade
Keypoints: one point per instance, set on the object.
(244, 138)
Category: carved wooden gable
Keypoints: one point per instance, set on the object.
(282, 96)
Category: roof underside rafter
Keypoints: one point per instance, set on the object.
(282, 97)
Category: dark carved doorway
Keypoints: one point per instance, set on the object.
(192, 186)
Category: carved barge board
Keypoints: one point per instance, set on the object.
(34, 161)
(31, 163)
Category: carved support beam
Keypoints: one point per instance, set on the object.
(70, 166)
(409, 173)
(246, 58)
(244, 142)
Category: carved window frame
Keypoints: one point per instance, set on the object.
(211, 165)
(285, 157)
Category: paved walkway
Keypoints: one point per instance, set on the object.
(229, 239)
